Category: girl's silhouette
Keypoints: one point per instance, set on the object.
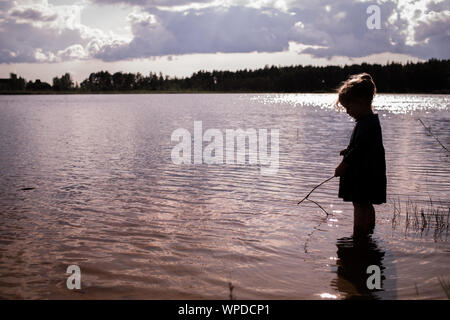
(362, 171)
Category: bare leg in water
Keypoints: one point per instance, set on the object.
(364, 219)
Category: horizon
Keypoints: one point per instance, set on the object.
(50, 77)
(391, 77)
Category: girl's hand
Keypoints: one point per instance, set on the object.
(343, 152)
(340, 169)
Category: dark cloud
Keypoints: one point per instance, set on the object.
(434, 36)
(336, 30)
(5, 5)
(235, 29)
(150, 3)
(438, 6)
(32, 14)
(342, 30)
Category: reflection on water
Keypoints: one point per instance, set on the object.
(355, 255)
(88, 180)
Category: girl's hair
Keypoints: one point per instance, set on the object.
(356, 87)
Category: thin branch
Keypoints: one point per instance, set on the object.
(315, 189)
(319, 207)
(436, 138)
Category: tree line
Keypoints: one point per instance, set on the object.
(432, 76)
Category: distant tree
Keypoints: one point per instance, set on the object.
(16, 83)
(64, 83)
(128, 81)
(38, 86)
(98, 81)
(117, 81)
(432, 76)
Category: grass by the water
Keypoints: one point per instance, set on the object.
(415, 217)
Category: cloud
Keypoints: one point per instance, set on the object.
(432, 35)
(152, 3)
(438, 6)
(31, 44)
(432, 26)
(75, 51)
(210, 30)
(168, 4)
(32, 14)
(322, 28)
(340, 28)
(40, 32)
(325, 28)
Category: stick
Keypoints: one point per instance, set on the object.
(315, 189)
(319, 206)
(429, 131)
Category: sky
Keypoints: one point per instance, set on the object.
(40, 39)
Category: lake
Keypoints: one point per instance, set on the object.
(89, 180)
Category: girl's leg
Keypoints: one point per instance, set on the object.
(364, 218)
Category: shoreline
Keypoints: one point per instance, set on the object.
(8, 93)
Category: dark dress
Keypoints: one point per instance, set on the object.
(364, 180)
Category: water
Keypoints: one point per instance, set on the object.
(107, 197)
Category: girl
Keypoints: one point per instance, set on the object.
(362, 171)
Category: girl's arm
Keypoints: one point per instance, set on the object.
(340, 169)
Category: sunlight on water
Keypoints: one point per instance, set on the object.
(386, 102)
(325, 101)
(411, 103)
(328, 296)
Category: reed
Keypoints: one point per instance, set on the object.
(231, 287)
(434, 217)
(434, 136)
(445, 284)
